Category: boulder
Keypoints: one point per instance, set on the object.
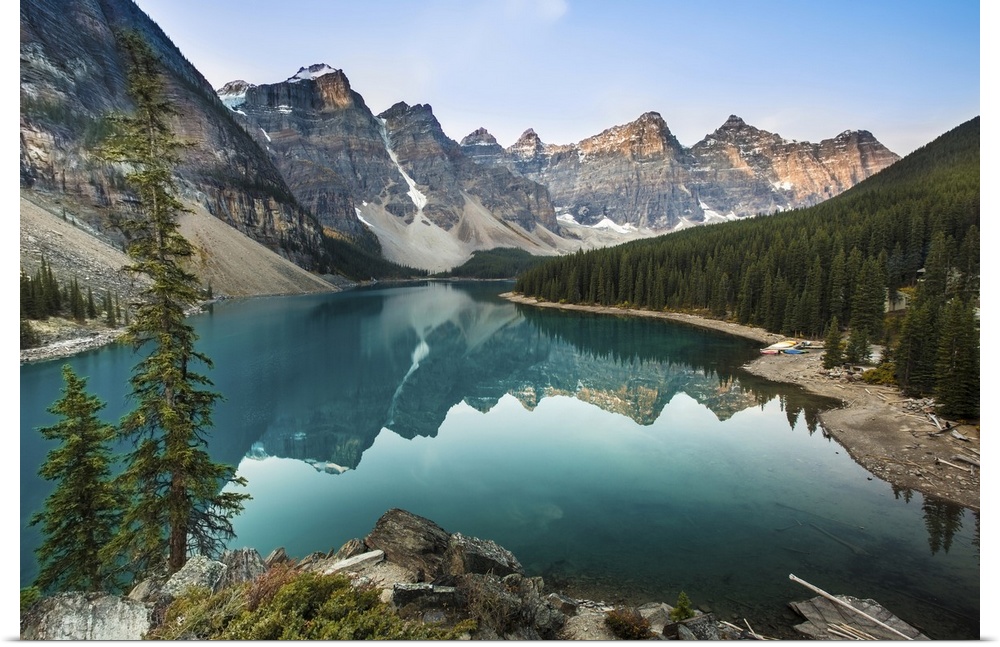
(424, 595)
(199, 572)
(242, 565)
(702, 627)
(86, 616)
(276, 556)
(410, 541)
(658, 615)
(474, 555)
(350, 549)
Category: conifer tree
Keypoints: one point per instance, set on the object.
(177, 504)
(833, 346)
(81, 514)
(858, 349)
(77, 306)
(91, 307)
(957, 374)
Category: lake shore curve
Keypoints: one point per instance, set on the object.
(876, 425)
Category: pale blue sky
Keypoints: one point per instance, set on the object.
(906, 70)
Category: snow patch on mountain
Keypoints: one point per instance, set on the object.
(608, 223)
(418, 198)
(312, 72)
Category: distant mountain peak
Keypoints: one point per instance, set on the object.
(312, 72)
(479, 137)
(734, 122)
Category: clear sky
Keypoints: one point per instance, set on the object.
(906, 70)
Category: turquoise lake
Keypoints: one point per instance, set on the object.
(622, 459)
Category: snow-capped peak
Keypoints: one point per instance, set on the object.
(312, 72)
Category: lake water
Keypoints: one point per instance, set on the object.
(623, 459)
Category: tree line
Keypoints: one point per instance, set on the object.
(910, 233)
(114, 519)
(42, 296)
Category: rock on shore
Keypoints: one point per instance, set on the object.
(425, 573)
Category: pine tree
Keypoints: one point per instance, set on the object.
(81, 514)
(91, 308)
(833, 346)
(957, 371)
(858, 349)
(177, 504)
(77, 307)
(29, 338)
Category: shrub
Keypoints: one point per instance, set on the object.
(628, 624)
(29, 596)
(288, 605)
(884, 373)
(683, 610)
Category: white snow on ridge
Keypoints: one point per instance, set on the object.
(309, 73)
(285, 109)
(265, 134)
(567, 218)
(784, 186)
(362, 219)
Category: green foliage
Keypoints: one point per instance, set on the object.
(359, 264)
(957, 368)
(833, 346)
(683, 610)
(628, 624)
(498, 263)
(81, 514)
(177, 504)
(858, 350)
(29, 596)
(884, 374)
(41, 297)
(29, 338)
(290, 605)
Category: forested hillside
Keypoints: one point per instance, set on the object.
(913, 227)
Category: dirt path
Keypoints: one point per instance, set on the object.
(884, 431)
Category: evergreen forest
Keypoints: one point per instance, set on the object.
(893, 261)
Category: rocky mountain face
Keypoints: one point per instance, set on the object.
(285, 163)
(638, 174)
(73, 75)
(383, 176)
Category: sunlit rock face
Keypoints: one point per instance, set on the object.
(368, 176)
(73, 74)
(638, 174)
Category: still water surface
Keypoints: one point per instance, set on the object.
(621, 458)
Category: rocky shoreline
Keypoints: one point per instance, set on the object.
(423, 574)
(885, 432)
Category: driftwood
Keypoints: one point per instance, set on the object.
(955, 434)
(820, 618)
(963, 459)
(964, 469)
(936, 422)
(849, 632)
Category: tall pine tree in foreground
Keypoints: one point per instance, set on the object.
(81, 514)
(177, 503)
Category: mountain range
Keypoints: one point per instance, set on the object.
(295, 164)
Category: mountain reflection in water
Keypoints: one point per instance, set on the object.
(619, 457)
(413, 355)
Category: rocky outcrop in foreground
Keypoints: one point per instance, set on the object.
(425, 573)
